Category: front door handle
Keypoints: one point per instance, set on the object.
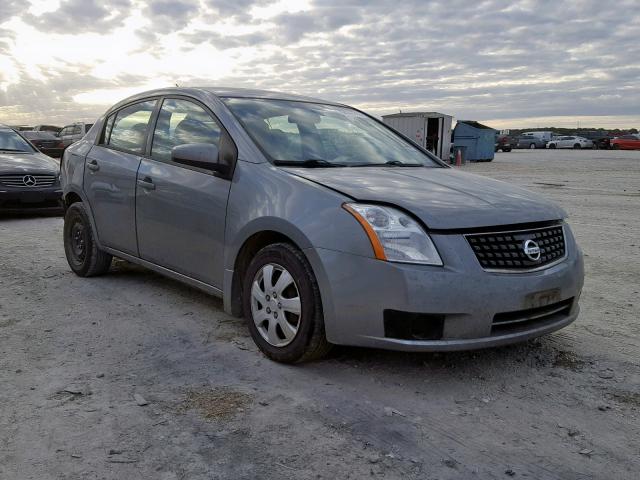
(147, 183)
(93, 166)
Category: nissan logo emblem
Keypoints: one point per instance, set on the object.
(29, 180)
(531, 250)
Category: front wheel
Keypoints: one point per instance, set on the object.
(282, 305)
(577, 146)
(82, 252)
(553, 145)
(532, 146)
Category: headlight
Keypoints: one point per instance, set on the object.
(394, 236)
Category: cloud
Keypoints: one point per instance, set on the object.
(78, 16)
(222, 42)
(170, 15)
(8, 8)
(234, 9)
(294, 26)
(495, 59)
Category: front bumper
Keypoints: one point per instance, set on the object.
(357, 290)
(30, 199)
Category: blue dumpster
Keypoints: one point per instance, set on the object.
(479, 140)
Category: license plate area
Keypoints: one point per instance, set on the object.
(542, 298)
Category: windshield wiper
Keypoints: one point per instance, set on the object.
(389, 163)
(310, 163)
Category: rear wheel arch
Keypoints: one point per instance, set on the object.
(75, 196)
(71, 198)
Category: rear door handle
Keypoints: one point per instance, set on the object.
(147, 183)
(93, 166)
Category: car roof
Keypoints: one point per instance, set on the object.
(223, 92)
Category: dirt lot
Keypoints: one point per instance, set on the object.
(77, 356)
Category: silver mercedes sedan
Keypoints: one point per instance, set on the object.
(317, 223)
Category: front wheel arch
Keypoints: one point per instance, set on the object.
(309, 341)
(250, 247)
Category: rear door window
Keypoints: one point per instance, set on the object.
(181, 122)
(129, 131)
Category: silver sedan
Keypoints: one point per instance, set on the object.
(317, 223)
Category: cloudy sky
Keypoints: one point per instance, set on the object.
(508, 63)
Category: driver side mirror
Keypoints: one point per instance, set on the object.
(200, 155)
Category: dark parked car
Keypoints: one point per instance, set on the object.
(74, 132)
(46, 128)
(28, 179)
(505, 143)
(601, 139)
(46, 142)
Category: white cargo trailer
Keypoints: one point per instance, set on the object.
(430, 130)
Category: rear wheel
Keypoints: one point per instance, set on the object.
(82, 252)
(615, 146)
(577, 146)
(282, 305)
(532, 146)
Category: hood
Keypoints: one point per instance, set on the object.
(27, 163)
(443, 198)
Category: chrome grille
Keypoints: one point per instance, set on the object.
(22, 180)
(505, 251)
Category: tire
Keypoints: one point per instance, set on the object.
(80, 247)
(506, 150)
(577, 146)
(532, 146)
(552, 146)
(261, 310)
(615, 146)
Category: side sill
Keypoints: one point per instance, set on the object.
(205, 287)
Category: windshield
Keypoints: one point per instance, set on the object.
(311, 134)
(10, 141)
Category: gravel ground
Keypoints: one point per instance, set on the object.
(132, 375)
